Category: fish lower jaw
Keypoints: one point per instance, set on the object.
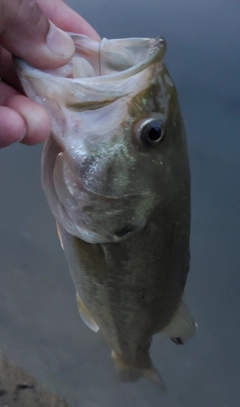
(87, 235)
(92, 237)
(97, 226)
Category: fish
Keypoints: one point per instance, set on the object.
(115, 171)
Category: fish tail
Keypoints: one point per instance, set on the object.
(131, 373)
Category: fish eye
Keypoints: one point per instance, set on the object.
(149, 132)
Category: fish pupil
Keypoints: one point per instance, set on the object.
(155, 133)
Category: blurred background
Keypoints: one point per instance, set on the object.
(40, 329)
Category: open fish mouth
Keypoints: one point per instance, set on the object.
(98, 74)
(105, 59)
(93, 101)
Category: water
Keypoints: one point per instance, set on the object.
(40, 327)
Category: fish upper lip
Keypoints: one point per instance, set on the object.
(156, 53)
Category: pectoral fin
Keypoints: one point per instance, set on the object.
(60, 236)
(86, 317)
(182, 326)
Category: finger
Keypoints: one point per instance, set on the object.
(37, 121)
(12, 127)
(26, 32)
(7, 69)
(67, 19)
(21, 119)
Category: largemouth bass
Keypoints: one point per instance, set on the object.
(116, 176)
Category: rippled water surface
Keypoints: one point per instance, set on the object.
(40, 328)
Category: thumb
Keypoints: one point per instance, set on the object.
(26, 32)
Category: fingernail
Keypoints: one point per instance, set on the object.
(59, 42)
(22, 136)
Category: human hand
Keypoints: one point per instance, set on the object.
(25, 31)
